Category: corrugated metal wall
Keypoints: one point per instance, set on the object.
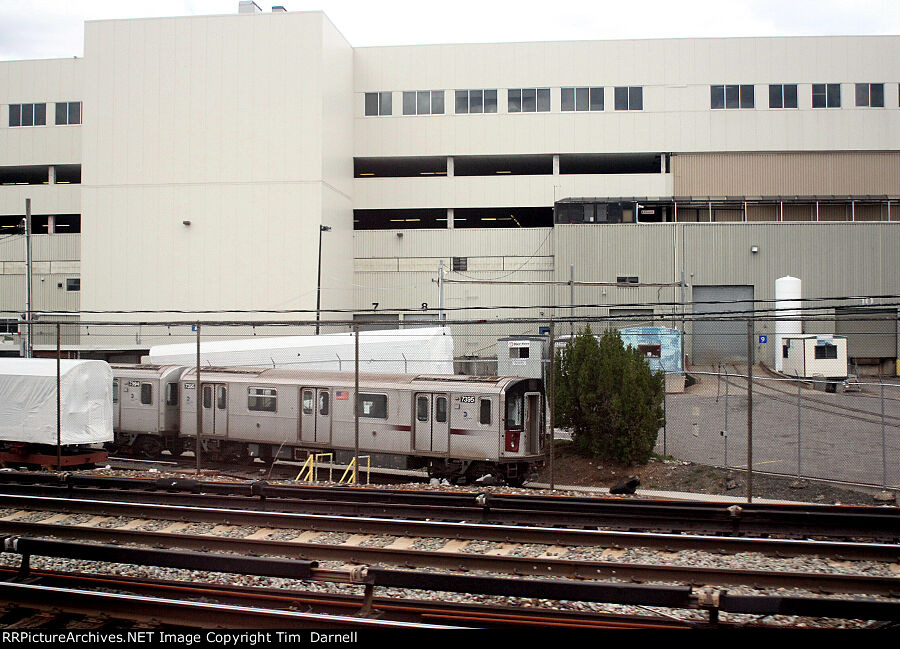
(787, 174)
(55, 258)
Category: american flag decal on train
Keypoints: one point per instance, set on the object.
(341, 395)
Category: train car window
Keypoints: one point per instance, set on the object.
(262, 399)
(171, 394)
(373, 405)
(207, 396)
(484, 414)
(115, 391)
(515, 411)
(440, 410)
(146, 393)
(307, 402)
(323, 403)
(222, 397)
(422, 409)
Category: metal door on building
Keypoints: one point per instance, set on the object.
(871, 332)
(432, 425)
(215, 409)
(719, 333)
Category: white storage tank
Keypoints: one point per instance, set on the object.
(788, 294)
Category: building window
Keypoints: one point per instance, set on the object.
(582, 99)
(870, 94)
(423, 102)
(28, 114)
(519, 352)
(68, 112)
(459, 264)
(731, 96)
(476, 101)
(826, 95)
(783, 95)
(378, 103)
(73, 284)
(826, 351)
(528, 100)
(629, 98)
(373, 405)
(627, 280)
(262, 399)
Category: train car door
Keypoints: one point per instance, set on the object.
(215, 409)
(308, 414)
(323, 416)
(432, 427)
(117, 407)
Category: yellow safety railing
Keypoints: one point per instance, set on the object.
(310, 469)
(351, 469)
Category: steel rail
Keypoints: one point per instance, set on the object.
(462, 530)
(514, 565)
(160, 611)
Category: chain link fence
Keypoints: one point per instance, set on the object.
(819, 408)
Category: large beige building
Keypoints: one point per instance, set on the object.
(192, 164)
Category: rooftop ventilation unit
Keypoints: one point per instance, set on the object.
(248, 7)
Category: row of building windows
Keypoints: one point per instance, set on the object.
(519, 100)
(530, 100)
(67, 112)
(824, 95)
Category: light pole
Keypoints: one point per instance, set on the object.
(322, 228)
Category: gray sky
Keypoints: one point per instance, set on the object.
(37, 29)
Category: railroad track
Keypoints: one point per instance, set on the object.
(410, 611)
(798, 521)
(430, 555)
(453, 555)
(182, 607)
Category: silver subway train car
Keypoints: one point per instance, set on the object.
(146, 408)
(453, 425)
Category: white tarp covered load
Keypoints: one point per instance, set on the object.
(28, 401)
(427, 350)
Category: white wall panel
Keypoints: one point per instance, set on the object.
(45, 199)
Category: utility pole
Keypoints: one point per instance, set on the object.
(322, 228)
(29, 342)
(441, 290)
(750, 410)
